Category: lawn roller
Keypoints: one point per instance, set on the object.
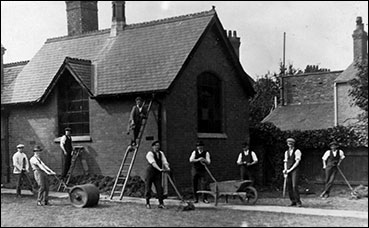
(187, 205)
(86, 195)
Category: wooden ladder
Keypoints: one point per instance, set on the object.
(125, 169)
(75, 154)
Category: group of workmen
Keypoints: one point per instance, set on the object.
(157, 163)
(40, 169)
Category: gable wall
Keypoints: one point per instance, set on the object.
(181, 115)
(309, 88)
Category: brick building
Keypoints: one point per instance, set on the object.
(88, 80)
(320, 100)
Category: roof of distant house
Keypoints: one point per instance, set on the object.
(302, 117)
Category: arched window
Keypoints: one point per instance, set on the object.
(209, 104)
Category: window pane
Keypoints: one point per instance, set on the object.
(73, 106)
(209, 104)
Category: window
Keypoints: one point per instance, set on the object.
(73, 108)
(209, 105)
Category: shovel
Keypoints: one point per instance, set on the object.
(188, 205)
(353, 192)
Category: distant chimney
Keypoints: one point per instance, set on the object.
(235, 41)
(360, 40)
(119, 17)
(81, 17)
(2, 65)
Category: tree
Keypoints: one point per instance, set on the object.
(359, 91)
(266, 89)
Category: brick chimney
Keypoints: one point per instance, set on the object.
(360, 40)
(235, 41)
(81, 17)
(2, 65)
(118, 18)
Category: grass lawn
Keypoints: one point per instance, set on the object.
(24, 212)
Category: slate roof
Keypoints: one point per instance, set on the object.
(302, 117)
(11, 70)
(347, 75)
(144, 57)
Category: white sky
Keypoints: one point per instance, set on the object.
(317, 32)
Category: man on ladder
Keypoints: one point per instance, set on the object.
(138, 113)
(67, 148)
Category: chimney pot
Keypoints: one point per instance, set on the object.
(119, 18)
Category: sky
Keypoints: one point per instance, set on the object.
(317, 33)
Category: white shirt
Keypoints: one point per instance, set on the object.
(193, 155)
(328, 152)
(18, 158)
(36, 163)
(253, 155)
(150, 158)
(298, 155)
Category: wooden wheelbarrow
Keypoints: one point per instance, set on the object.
(240, 188)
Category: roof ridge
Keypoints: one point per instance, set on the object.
(74, 60)
(16, 63)
(172, 19)
(136, 25)
(314, 73)
(85, 34)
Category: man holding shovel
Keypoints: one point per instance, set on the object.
(292, 158)
(157, 164)
(331, 160)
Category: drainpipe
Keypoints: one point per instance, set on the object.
(335, 105)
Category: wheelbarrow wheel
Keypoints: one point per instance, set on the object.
(250, 196)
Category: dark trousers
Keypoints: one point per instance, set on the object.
(246, 173)
(153, 177)
(43, 183)
(67, 160)
(330, 175)
(199, 176)
(20, 177)
(292, 187)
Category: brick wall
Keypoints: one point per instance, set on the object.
(181, 115)
(310, 88)
(347, 112)
(108, 124)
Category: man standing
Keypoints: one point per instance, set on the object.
(331, 160)
(21, 168)
(67, 148)
(199, 158)
(157, 164)
(40, 171)
(138, 113)
(246, 160)
(292, 158)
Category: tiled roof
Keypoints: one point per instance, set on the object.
(302, 117)
(11, 70)
(143, 57)
(82, 68)
(347, 75)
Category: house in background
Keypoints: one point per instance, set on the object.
(321, 100)
(88, 80)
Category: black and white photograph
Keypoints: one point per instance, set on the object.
(184, 113)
